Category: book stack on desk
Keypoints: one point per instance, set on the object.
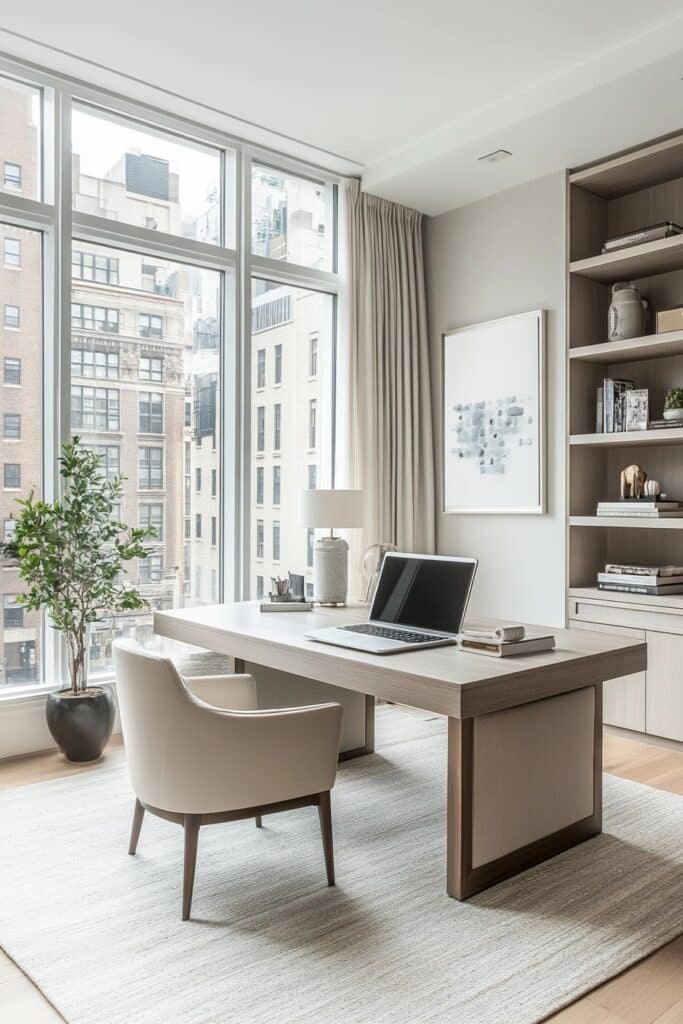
(650, 580)
(504, 641)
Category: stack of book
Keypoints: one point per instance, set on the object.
(640, 508)
(504, 641)
(651, 580)
(611, 405)
(652, 233)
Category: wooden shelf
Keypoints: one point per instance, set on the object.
(637, 261)
(645, 601)
(629, 438)
(650, 346)
(628, 522)
(631, 172)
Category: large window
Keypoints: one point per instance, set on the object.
(299, 445)
(165, 363)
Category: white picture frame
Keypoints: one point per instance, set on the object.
(494, 417)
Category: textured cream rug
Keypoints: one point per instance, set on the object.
(100, 932)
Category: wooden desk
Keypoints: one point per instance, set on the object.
(524, 771)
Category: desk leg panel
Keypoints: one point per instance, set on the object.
(524, 784)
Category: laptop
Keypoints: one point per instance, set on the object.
(420, 601)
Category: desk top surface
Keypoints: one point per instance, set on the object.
(445, 680)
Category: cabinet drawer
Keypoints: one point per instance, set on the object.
(664, 686)
(623, 699)
(629, 616)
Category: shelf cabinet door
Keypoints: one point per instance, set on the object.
(664, 686)
(623, 699)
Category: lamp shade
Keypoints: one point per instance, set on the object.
(333, 509)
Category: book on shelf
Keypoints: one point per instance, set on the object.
(651, 591)
(652, 233)
(641, 504)
(636, 580)
(531, 644)
(660, 424)
(643, 570)
(613, 404)
(655, 513)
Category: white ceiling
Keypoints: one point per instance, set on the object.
(409, 94)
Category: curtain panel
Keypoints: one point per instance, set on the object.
(385, 400)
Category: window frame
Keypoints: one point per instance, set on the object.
(63, 229)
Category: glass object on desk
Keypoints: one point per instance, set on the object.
(372, 566)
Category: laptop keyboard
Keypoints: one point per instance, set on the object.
(387, 633)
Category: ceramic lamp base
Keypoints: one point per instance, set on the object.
(330, 570)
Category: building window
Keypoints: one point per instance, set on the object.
(13, 613)
(11, 476)
(12, 316)
(309, 591)
(94, 318)
(12, 175)
(151, 412)
(12, 370)
(214, 531)
(188, 412)
(276, 541)
(259, 587)
(94, 408)
(214, 483)
(11, 426)
(198, 525)
(152, 368)
(150, 325)
(310, 544)
(150, 468)
(152, 568)
(277, 427)
(261, 368)
(313, 356)
(87, 266)
(261, 428)
(110, 459)
(278, 364)
(312, 477)
(152, 514)
(12, 252)
(9, 529)
(259, 485)
(312, 422)
(198, 479)
(94, 363)
(277, 478)
(259, 538)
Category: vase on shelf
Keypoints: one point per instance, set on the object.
(627, 313)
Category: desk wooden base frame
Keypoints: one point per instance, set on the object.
(462, 879)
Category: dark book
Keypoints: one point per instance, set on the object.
(644, 570)
(650, 591)
(652, 233)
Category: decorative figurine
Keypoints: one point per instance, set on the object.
(633, 482)
(653, 489)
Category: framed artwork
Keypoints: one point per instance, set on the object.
(494, 416)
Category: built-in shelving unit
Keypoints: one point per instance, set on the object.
(618, 195)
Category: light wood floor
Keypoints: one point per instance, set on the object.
(651, 992)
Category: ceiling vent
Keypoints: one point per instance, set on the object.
(498, 154)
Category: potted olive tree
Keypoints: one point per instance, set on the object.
(673, 404)
(71, 555)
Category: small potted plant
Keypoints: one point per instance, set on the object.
(673, 404)
(71, 555)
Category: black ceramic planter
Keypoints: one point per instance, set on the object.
(82, 724)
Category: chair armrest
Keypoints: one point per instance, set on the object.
(229, 692)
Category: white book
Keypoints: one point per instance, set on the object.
(286, 606)
(637, 579)
(507, 649)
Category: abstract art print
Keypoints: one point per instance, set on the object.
(494, 397)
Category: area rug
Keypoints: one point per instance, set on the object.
(100, 933)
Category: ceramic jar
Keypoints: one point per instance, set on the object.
(626, 316)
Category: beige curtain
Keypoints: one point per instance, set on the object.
(385, 400)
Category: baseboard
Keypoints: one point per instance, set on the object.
(643, 737)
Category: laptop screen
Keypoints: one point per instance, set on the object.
(429, 593)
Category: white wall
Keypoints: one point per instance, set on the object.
(495, 257)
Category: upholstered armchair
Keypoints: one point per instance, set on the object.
(200, 753)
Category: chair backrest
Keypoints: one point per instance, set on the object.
(153, 700)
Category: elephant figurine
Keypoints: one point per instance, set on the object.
(633, 482)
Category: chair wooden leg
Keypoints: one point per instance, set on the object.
(325, 815)
(259, 821)
(138, 815)
(191, 825)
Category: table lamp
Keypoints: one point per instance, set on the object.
(332, 509)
